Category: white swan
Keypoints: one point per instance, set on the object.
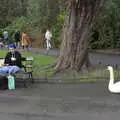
(113, 87)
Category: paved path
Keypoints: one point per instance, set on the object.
(95, 58)
(111, 59)
(60, 102)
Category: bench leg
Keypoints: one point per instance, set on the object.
(24, 79)
(31, 77)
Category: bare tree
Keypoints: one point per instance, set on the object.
(75, 37)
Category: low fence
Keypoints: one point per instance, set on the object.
(97, 73)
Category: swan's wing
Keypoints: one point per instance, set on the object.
(115, 88)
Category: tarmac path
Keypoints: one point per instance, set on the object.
(60, 102)
(112, 59)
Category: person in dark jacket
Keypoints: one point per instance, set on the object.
(12, 64)
(17, 38)
(13, 61)
(13, 57)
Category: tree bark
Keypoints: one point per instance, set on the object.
(75, 37)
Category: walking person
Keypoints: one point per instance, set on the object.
(17, 38)
(5, 37)
(1, 43)
(48, 36)
(25, 41)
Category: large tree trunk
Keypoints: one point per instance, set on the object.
(74, 47)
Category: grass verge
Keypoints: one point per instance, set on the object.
(42, 69)
(41, 64)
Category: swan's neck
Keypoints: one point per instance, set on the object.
(111, 77)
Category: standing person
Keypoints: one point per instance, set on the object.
(1, 42)
(5, 36)
(25, 42)
(17, 38)
(48, 36)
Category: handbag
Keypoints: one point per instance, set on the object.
(11, 82)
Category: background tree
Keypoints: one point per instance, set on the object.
(10, 9)
(37, 15)
(106, 27)
(74, 47)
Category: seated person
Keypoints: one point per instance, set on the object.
(12, 63)
(13, 57)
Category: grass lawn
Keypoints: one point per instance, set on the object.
(41, 63)
(42, 69)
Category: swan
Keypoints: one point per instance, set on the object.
(112, 86)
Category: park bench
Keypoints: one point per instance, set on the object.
(26, 72)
